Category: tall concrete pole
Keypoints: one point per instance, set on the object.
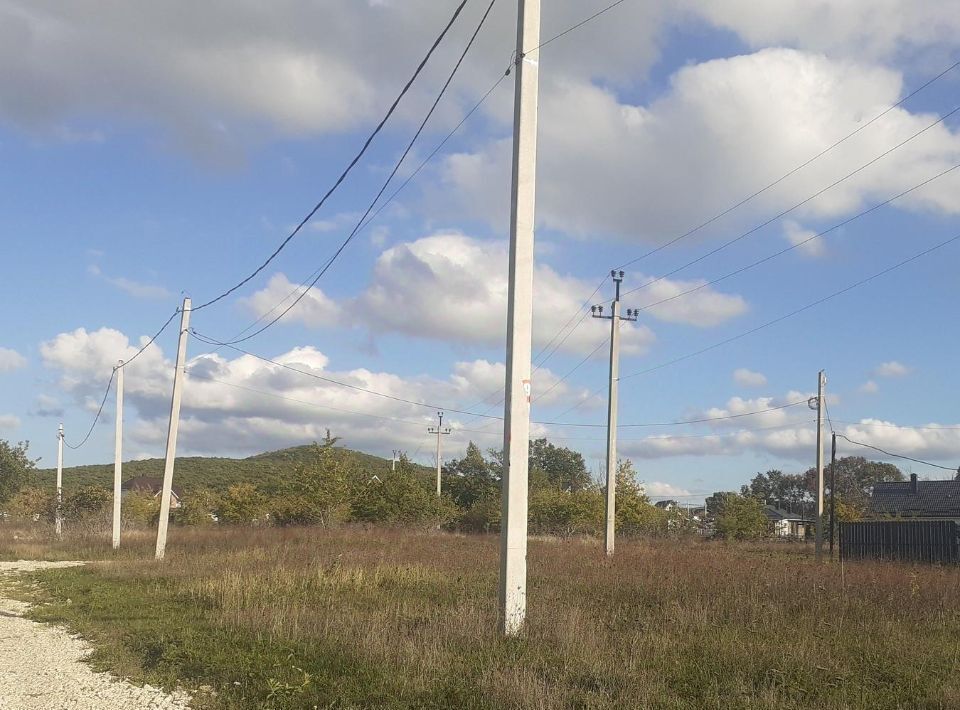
(516, 414)
(58, 516)
(833, 488)
(612, 405)
(821, 384)
(174, 427)
(117, 455)
(439, 430)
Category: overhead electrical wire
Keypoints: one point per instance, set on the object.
(113, 374)
(383, 188)
(349, 167)
(787, 211)
(795, 170)
(897, 456)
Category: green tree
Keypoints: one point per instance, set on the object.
(778, 488)
(199, 505)
(635, 514)
(86, 502)
(564, 512)
(470, 479)
(140, 508)
(741, 518)
(33, 502)
(242, 504)
(319, 491)
(557, 466)
(396, 498)
(855, 479)
(16, 469)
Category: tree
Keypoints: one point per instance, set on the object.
(741, 518)
(777, 488)
(470, 479)
(855, 479)
(635, 514)
(86, 502)
(318, 492)
(33, 503)
(397, 498)
(557, 466)
(242, 504)
(16, 468)
(140, 508)
(198, 508)
(564, 512)
(716, 501)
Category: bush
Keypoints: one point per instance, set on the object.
(140, 508)
(33, 503)
(399, 499)
(199, 508)
(742, 518)
(556, 512)
(242, 504)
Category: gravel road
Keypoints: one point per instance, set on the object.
(41, 667)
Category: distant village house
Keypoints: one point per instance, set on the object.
(153, 487)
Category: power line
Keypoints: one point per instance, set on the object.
(577, 26)
(797, 311)
(799, 244)
(349, 167)
(113, 374)
(795, 170)
(787, 211)
(396, 168)
(896, 456)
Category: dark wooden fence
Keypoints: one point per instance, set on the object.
(906, 540)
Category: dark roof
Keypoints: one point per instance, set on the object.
(666, 503)
(933, 499)
(149, 485)
(775, 514)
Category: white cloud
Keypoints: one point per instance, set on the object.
(936, 442)
(659, 489)
(877, 28)
(803, 239)
(869, 387)
(129, 286)
(891, 369)
(244, 405)
(748, 378)
(449, 286)
(737, 123)
(9, 421)
(11, 360)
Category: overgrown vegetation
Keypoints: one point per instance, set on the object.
(353, 617)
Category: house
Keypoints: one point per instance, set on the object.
(667, 504)
(786, 524)
(152, 486)
(927, 500)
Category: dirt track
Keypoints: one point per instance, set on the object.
(41, 667)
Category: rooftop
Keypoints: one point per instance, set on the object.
(915, 498)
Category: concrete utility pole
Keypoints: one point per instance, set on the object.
(174, 427)
(613, 405)
(393, 461)
(821, 384)
(516, 412)
(833, 487)
(117, 454)
(58, 517)
(438, 430)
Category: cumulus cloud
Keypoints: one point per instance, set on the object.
(803, 239)
(449, 286)
(246, 405)
(748, 378)
(11, 360)
(869, 387)
(891, 369)
(659, 489)
(738, 123)
(9, 422)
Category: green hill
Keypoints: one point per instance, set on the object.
(266, 470)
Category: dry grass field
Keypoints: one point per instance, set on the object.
(350, 618)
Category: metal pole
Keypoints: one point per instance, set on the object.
(117, 454)
(171, 454)
(821, 382)
(516, 414)
(612, 406)
(833, 487)
(58, 515)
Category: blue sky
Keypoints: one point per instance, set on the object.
(150, 152)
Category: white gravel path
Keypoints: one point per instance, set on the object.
(42, 668)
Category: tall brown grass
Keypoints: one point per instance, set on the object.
(380, 618)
